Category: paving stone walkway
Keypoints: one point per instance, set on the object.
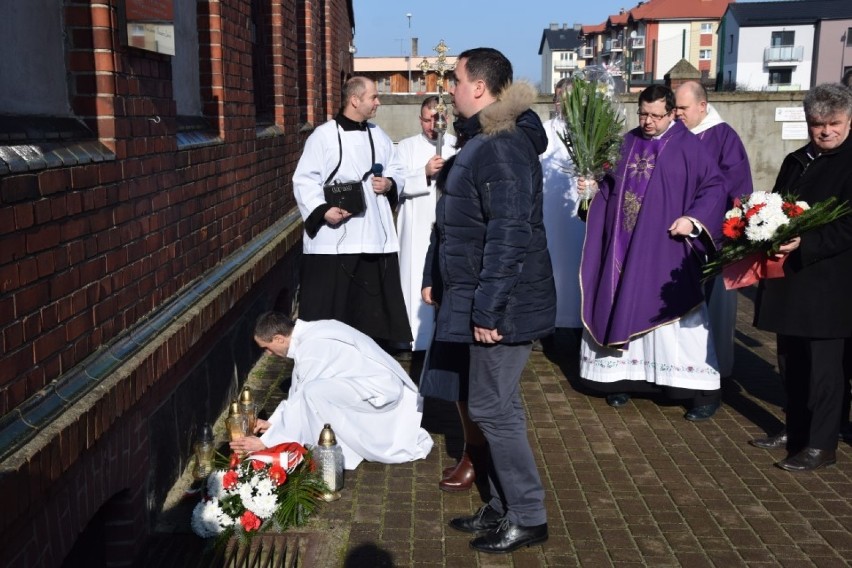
(635, 486)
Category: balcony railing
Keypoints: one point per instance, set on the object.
(791, 87)
(587, 52)
(611, 45)
(637, 42)
(637, 67)
(783, 54)
(565, 65)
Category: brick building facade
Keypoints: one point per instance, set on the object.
(137, 243)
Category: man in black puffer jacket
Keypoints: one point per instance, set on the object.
(498, 292)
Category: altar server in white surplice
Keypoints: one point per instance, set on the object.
(417, 157)
(343, 378)
(565, 231)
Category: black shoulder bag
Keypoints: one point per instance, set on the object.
(347, 195)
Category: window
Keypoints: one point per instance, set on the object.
(706, 28)
(186, 83)
(780, 76)
(783, 38)
(731, 43)
(263, 71)
(705, 54)
(37, 87)
(848, 37)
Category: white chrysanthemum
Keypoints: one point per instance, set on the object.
(735, 212)
(214, 484)
(263, 505)
(762, 226)
(208, 519)
(245, 491)
(265, 486)
(774, 202)
(804, 205)
(756, 198)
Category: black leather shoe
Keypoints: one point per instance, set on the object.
(618, 399)
(808, 460)
(508, 537)
(771, 442)
(485, 519)
(703, 412)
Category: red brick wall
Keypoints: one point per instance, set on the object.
(86, 251)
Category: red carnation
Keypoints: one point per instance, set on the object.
(733, 228)
(229, 481)
(278, 474)
(753, 210)
(791, 209)
(235, 461)
(257, 465)
(250, 521)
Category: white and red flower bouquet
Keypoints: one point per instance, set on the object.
(757, 226)
(275, 488)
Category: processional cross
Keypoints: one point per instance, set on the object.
(439, 66)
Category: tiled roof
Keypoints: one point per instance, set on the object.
(594, 29)
(564, 39)
(618, 19)
(679, 9)
(790, 12)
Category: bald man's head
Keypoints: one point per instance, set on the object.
(691, 103)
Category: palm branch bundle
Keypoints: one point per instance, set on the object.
(593, 124)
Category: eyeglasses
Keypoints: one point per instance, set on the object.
(652, 116)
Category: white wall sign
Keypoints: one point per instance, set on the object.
(794, 131)
(783, 114)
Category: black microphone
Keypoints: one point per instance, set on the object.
(377, 170)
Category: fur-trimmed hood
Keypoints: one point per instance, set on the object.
(512, 110)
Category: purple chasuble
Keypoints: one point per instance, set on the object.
(634, 276)
(725, 146)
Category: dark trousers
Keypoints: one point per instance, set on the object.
(812, 371)
(494, 403)
(361, 290)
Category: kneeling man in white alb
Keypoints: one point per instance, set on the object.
(343, 378)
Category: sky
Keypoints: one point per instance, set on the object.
(514, 27)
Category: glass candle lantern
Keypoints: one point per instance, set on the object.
(204, 449)
(329, 459)
(248, 408)
(236, 423)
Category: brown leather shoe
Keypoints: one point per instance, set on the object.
(771, 442)
(461, 478)
(808, 459)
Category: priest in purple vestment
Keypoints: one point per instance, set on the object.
(649, 229)
(724, 145)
